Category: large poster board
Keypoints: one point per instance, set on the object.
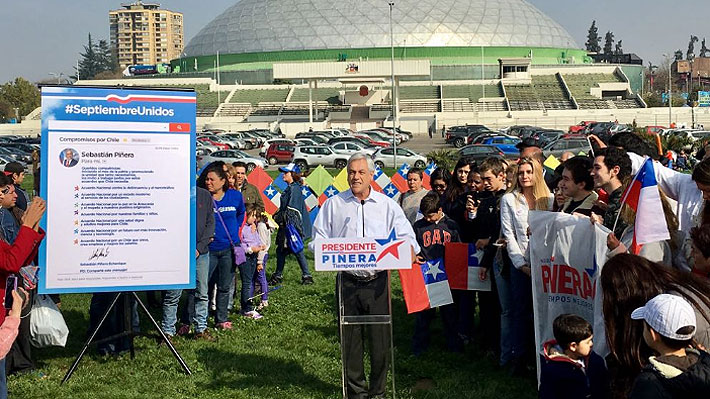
(118, 169)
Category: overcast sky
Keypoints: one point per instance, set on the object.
(40, 37)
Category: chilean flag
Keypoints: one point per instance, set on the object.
(643, 197)
(426, 178)
(463, 261)
(329, 192)
(272, 200)
(425, 286)
(380, 180)
(399, 179)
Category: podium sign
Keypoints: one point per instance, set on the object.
(342, 254)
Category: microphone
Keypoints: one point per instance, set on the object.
(362, 202)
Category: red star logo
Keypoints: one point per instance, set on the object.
(392, 249)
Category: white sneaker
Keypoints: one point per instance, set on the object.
(262, 305)
(253, 315)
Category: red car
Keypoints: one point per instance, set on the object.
(581, 127)
(206, 140)
(371, 141)
(280, 152)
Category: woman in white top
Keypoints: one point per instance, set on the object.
(528, 192)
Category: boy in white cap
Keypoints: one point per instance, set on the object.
(677, 371)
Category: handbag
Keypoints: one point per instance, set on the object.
(239, 255)
(293, 238)
(47, 325)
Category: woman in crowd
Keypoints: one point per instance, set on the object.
(19, 253)
(439, 181)
(229, 217)
(456, 187)
(292, 209)
(628, 282)
(529, 192)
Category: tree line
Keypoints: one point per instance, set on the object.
(593, 43)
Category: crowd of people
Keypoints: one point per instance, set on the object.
(657, 344)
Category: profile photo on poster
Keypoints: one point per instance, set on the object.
(69, 157)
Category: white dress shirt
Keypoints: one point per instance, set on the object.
(345, 216)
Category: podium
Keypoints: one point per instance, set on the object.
(364, 299)
(370, 321)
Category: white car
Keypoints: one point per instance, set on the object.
(314, 155)
(229, 156)
(350, 148)
(384, 157)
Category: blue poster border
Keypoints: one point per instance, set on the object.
(98, 93)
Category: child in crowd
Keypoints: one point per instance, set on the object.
(432, 232)
(677, 371)
(264, 230)
(569, 368)
(251, 242)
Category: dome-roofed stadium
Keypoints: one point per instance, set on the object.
(252, 26)
(253, 34)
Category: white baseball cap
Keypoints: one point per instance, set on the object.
(666, 314)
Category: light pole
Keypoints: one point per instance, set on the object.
(394, 101)
(670, 93)
(58, 76)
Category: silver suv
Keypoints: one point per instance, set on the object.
(312, 155)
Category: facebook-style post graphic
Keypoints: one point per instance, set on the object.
(118, 175)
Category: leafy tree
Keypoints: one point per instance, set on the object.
(609, 43)
(678, 55)
(20, 94)
(593, 38)
(703, 49)
(6, 111)
(618, 50)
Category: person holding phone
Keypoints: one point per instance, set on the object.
(20, 252)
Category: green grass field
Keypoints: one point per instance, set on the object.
(293, 352)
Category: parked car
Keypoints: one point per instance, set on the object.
(267, 143)
(350, 148)
(15, 154)
(457, 135)
(372, 142)
(478, 137)
(249, 142)
(229, 156)
(574, 145)
(314, 155)
(304, 141)
(215, 142)
(207, 146)
(504, 143)
(24, 147)
(388, 133)
(479, 152)
(545, 137)
(280, 152)
(351, 139)
(379, 136)
(654, 129)
(581, 127)
(384, 157)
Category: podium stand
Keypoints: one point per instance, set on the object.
(364, 320)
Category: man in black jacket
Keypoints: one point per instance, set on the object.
(495, 306)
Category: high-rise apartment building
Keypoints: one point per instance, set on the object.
(143, 34)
